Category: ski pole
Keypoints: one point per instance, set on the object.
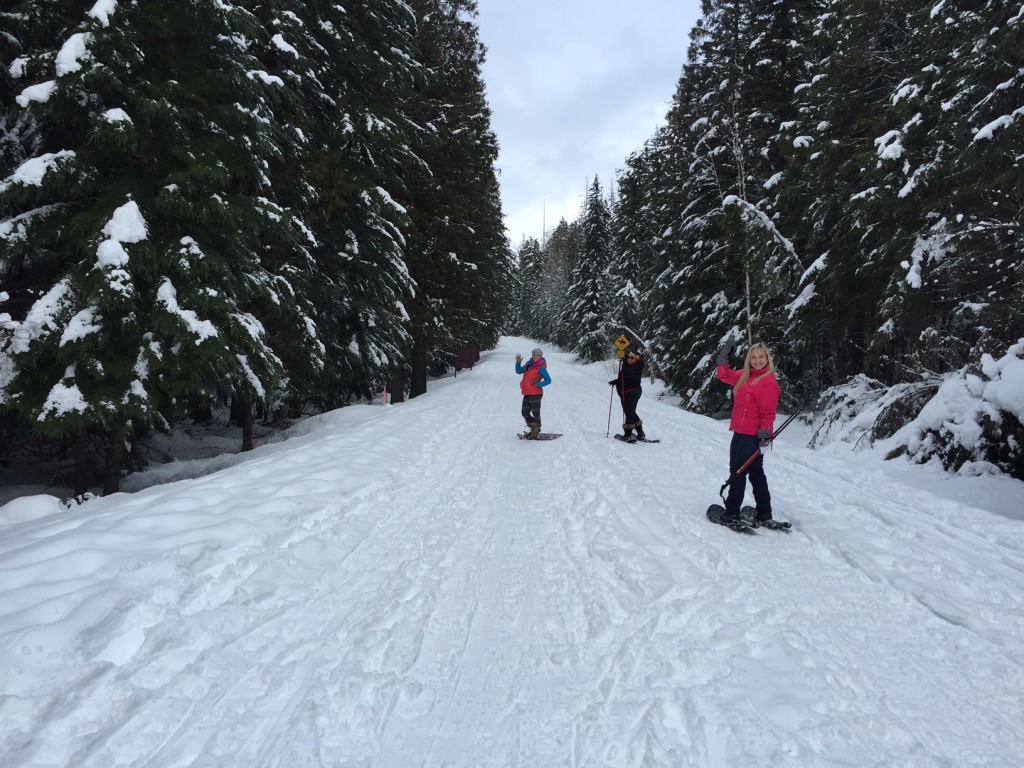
(611, 395)
(757, 452)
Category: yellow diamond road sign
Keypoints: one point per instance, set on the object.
(622, 342)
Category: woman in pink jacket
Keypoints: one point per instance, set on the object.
(755, 400)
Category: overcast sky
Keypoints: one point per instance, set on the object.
(575, 86)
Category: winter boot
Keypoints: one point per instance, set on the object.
(640, 431)
(534, 430)
(627, 433)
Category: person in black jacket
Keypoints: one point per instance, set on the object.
(628, 385)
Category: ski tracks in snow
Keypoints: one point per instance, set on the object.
(422, 589)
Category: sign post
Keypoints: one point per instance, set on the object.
(622, 344)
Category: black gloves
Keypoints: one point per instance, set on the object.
(764, 437)
(613, 382)
(725, 351)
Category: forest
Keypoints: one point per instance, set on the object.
(273, 207)
(283, 208)
(843, 181)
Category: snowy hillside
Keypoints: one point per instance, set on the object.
(412, 586)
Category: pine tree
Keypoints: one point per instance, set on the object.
(351, 151)
(561, 250)
(589, 295)
(639, 224)
(154, 201)
(532, 275)
(850, 225)
(457, 252)
(952, 157)
(700, 296)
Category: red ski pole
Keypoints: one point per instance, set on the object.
(756, 453)
(738, 472)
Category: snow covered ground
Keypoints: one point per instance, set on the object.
(412, 586)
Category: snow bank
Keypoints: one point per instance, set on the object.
(27, 508)
(970, 420)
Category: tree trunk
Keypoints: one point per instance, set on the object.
(398, 384)
(750, 320)
(83, 471)
(418, 386)
(115, 458)
(235, 411)
(245, 415)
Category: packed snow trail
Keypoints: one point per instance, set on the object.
(413, 586)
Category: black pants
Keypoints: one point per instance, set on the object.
(742, 448)
(629, 402)
(531, 408)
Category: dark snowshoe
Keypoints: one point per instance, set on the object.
(749, 515)
(540, 436)
(716, 514)
(631, 439)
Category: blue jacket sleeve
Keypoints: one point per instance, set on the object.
(544, 378)
(519, 368)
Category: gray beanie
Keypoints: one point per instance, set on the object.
(538, 352)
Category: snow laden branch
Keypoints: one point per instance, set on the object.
(752, 215)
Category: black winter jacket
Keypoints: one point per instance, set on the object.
(629, 379)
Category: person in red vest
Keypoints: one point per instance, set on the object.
(535, 378)
(755, 400)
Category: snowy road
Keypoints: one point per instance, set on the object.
(412, 586)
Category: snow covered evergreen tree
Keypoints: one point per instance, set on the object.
(560, 253)
(532, 318)
(351, 138)
(457, 251)
(589, 295)
(639, 224)
(953, 157)
(726, 261)
(837, 203)
(146, 192)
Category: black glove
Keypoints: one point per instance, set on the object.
(613, 382)
(725, 351)
(764, 437)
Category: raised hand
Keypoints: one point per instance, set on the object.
(725, 351)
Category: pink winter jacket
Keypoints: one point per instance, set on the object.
(754, 406)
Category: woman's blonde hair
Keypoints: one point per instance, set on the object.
(770, 368)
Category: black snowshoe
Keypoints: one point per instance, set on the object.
(540, 436)
(749, 515)
(716, 514)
